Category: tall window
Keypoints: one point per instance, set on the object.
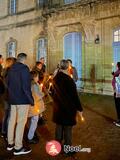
(116, 46)
(11, 49)
(12, 6)
(41, 49)
(70, 1)
(117, 35)
(73, 50)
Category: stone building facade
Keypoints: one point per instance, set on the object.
(86, 31)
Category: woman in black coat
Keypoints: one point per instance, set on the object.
(66, 104)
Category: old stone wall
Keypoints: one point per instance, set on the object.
(90, 20)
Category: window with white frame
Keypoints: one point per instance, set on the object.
(12, 6)
(11, 49)
(70, 1)
(117, 35)
(41, 48)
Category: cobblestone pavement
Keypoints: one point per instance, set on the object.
(96, 132)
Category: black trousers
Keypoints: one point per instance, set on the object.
(63, 133)
(117, 105)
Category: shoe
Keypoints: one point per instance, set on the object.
(33, 141)
(22, 151)
(36, 136)
(4, 135)
(117, 121)
(10, 147)
(117, 124)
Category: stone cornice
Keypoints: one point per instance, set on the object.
(18, 13)
(22, 24)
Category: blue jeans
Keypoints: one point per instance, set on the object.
(33, 126)
(5, 117)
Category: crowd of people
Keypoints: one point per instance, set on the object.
(23, 98)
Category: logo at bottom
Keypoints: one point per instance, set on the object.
(53, 148)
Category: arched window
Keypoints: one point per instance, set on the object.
(11, 48)
(41, 48)
(73, 50)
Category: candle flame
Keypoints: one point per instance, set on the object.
(50, 77)
(50, 84)
(38, 110)
(82, 119)
(41, 84)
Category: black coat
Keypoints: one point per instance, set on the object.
(66, 100)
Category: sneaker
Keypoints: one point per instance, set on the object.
(3, 135)
(22, 151)
(33, 141)
(117, 124)
(117, 121)
(10, 147)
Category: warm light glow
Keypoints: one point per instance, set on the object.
(71, 76)
(38, 110)
(112, 64)
(82, 119)
(41, 85)
(50, 77)
(50, 84)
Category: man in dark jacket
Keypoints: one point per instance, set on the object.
(66, 104)
(20, 98)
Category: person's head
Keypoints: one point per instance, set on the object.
(1, 59)
(34, 76)
(42, 60)
(21, 57)
(39, 65)
(70, 62)
(63, 64)
(9, 62)
(118, 65)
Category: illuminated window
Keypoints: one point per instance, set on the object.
(11, 49)
(12, 6)
(73, 50)
(117, 36)
(41, 48)
(116, 46)
(70, 1)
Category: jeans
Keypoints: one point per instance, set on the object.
(63, 133)
(117, 105)
(5, 118)
(33, 126)
(17, 121)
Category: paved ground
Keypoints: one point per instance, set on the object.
(97, 133)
